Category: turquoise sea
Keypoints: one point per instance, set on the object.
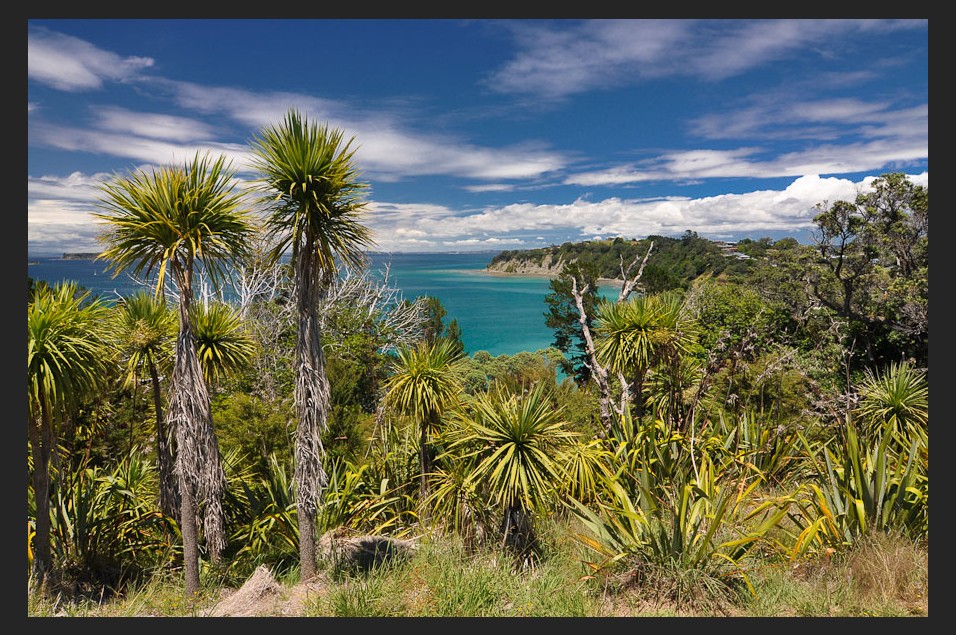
(503, 315)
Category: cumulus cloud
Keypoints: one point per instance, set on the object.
(395, 144)
(790, 210)
(56, 226)
(60, 215)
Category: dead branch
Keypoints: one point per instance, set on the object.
(631, 283)
(395, 320)
(598, 372)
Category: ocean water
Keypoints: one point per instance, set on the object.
(502, 315)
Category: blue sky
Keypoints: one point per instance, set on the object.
(493, 134)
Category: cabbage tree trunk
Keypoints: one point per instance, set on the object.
(312, 406)
(169, 501)
(41, 441)
(201, 477)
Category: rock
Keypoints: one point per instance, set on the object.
(362, 552)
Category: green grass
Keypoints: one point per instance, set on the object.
(882, 576)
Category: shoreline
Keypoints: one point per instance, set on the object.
(611, 282)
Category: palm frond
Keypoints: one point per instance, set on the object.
(68, 344)
(309, 181)
(223, 343)
(167, 220)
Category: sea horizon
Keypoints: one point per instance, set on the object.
(500, 313)
(63, 255)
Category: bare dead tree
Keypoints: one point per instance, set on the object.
(396, 321)
(598, 372)
(630, 283)
(269, 322)
(257, 284)
(256, 287)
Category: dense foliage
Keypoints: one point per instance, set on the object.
(771, 408)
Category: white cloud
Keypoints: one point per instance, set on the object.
(148, 149)
(876, 155)
(70, 64)
(555, 62)
(788, 211)
(152, 125)
(392, 154)
(564, 59)
(64, 223)
(491, 187)
(396, 144)
(387, 150)
(76, 187)
(56, 226)
(783, 117)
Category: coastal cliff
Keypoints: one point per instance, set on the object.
(549, 261)
(528, 264)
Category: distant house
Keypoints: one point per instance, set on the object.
(730, 250)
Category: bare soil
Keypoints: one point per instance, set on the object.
(262, 596)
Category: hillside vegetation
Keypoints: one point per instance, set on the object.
(674, 262)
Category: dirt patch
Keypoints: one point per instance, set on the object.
(262, 596)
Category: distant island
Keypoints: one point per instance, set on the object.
(80, 255)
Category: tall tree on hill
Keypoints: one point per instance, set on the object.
(310, 178)
(873, 267)
(169, 221)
